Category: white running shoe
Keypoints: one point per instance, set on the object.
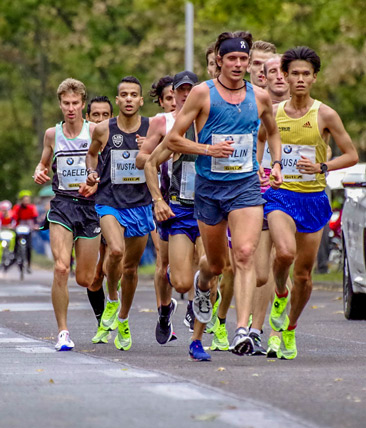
(202, 307)
(64, 343)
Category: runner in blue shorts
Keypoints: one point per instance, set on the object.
(123, 202)
(72, 217)
(226, 111)
(299, 210)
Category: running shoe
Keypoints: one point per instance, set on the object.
(123, 339)
(197, 353)
(214, 323)
(257, 344)
(242, 342)
(109, 320)
(64, 343)
(220, 341)
(164, 326)
(189, 319)
(202, 307)
(273, 347)
(101, 336)
(287, 349)
(278, 318)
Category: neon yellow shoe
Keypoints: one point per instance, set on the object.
(102, 336)
(109, 320)
(220, 342)
(278, 318)
(274, 343)
(123, 340)
(287, 349)
(214, 323)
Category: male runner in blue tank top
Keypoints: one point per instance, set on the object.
(72, 216)
(123, 202)
(227, 190)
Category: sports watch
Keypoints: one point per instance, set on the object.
(323, 168)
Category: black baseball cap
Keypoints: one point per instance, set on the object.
(184, 77)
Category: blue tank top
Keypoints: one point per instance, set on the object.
(235, 122)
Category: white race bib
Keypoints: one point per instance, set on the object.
(187, 181)
(291, 154)
(123, 167)
(266, 160)
(241, 160)
(71, 172)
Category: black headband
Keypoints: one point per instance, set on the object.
(233, 45)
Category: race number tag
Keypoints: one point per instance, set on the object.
(266, 160)
(71, 172)
(241, 160)
(123, 167)
(187, 181)
(291, 154)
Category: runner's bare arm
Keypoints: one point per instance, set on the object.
(153, 137)
(100, 138)
(44, 165)
(261, 142)
(191, 110)
(329, 121)
(159, 155)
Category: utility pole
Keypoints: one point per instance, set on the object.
(189, 36)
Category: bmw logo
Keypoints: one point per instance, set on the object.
(229, 138)
(70, 161)
(287, 149)
(126, 155)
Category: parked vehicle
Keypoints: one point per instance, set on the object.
(354, 246)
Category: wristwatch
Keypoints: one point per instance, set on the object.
(90, 170)
(279, 163)
(323, 168)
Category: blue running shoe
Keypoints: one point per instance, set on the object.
(197, 353)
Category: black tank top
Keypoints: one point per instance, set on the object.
(122, 185)
(181, 188)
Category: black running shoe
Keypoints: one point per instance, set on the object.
(189, 319)
(164, 326)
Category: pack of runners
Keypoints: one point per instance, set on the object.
(229, 180)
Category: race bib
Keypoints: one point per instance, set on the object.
(187, 181)
(266, 160)
(291, 154)
(123, 167)
(71, 172)
(241, 160)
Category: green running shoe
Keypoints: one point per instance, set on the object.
(123, 340)
(102, 336)
(109, 320)
(220, 342)
(278, 318)
(214, 323)
(287, 349)
(273, 347)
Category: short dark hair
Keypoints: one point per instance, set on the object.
(302, 53)
(101, 99)
(229, 35)
(209, 51)
(130, 79)
(157, 88)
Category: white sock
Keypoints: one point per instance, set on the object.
(255, 330)
(122, 320)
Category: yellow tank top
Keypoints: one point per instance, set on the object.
(301, 137)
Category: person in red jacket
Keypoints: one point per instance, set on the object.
(26, 213)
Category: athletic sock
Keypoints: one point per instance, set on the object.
(96, 299)
(291, 327)
(189, 305)
(165, 309)
(222, 320)
(255, 330)
(280, 296)
(122, 319)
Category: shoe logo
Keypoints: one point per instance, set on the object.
(126, 331)
(307, 125)
(276, 304)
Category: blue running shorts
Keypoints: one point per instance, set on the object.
(183, 223)
(137, 221)
(310, 211)
(214, 200)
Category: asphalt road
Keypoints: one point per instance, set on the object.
(153, 385)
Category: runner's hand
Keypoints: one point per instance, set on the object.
(263, 179)
(221, 150)
(276, 177)
(305, 166)
(140, 140)
(40, 176)
(86, 190)
(92, 179)
(162, 210)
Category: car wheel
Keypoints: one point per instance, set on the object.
(354, 304)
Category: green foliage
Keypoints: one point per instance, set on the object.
(99, 41)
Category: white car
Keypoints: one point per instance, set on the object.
(354, 246)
